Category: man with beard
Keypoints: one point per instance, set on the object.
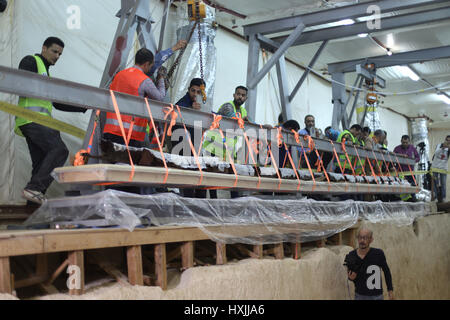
(364, 266)
(237, 105)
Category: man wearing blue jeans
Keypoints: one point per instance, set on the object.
(364, 267)
(440, 162)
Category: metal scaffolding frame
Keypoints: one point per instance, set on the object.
(33, 85)
(338, 70)
(258, 38)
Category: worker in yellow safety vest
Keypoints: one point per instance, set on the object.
(216, 146)
(351, 138)
(47, 149)
(239, 96)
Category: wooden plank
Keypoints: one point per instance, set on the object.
(76, 277)
(279, 250)
(29, 281)
(42, 265)
(5, 276)
(245, 251)
(187, 255)
(296, 250)
(258, 251)
(134, 262)
(221, 253)
(21, 244)
(161, 265)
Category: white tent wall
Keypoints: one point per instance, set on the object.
(29, 22)
(395, 125)
(7, 158)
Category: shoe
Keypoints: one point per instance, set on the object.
(34, 196)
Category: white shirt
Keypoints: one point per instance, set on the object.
(440, 159)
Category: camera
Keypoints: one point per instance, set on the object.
(352, 263)
(3, 5)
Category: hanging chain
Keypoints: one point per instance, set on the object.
(177, 61)
(202, 76)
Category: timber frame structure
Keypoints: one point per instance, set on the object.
(146, 254)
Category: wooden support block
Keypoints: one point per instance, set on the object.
(258, 251)
(134, 263)
(296, 250)
(42, 265)
(338, 238)
(349, 237)
(161, 265)
(320, 243)
(187, 254)
(76, 269)
(5, 276)
(221, 253)
(279, 251)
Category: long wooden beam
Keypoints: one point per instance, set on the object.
(105, 173)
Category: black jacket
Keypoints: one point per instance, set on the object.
(29, 64)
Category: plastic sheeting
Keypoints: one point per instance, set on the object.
(189, 66)
(248, 220)
(372, 117)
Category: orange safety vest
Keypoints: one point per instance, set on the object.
(128, 81)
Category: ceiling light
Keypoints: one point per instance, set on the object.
(363, 35)
(444, 98)
(345, 22)
(407, 72)
(390, 40)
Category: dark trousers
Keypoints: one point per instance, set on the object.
(410, 179)
(201, 193)
(47, 151)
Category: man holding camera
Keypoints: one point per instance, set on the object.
(364, 267)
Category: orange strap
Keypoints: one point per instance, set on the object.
(80, 159)
(371, 169)
(393, 165)
(119, 118)
(192, 147)
(376, 161)
(293, 165)
(309, 167)
(346, 156)
(359, 159)
(241, 125)
(173, 120)
(385, 163)
(414, 178)
(335, 155)
(399, 166)
(312, 146)
(157, 139)
(216, 125)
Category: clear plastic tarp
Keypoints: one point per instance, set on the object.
(249, 220)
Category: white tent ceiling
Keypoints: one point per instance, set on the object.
(412, 38)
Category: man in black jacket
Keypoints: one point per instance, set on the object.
(364, 267)
(47, 150)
